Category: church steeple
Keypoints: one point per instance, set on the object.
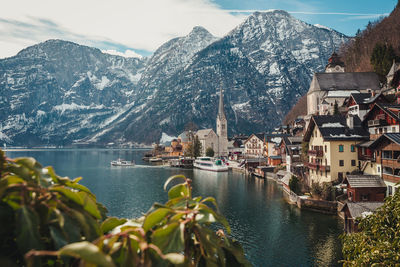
(222, 127)
(221, 112)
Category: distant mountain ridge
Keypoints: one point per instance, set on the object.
(59, 92)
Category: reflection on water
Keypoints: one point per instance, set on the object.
(271, 231)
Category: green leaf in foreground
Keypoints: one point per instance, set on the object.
(88, 252)
(110, 223)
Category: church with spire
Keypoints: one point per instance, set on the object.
(222, 128)
(218, 140)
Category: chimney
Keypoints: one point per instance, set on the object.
(372, 93)
(350, 121)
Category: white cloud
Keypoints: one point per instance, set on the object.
(127, 53)
(139, 25)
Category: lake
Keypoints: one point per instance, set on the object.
(272, 232)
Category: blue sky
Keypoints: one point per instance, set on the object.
(356, 13)
(137, 27)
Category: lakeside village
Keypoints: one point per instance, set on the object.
(343, 157)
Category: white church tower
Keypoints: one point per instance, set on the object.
(222, 128)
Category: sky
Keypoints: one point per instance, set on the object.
(136, 28)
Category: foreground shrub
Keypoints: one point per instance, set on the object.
(50, 220)
(378, 242)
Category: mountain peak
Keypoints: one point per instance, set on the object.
(199, 30)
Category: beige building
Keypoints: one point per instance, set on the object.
(254, 146)
(332, 152)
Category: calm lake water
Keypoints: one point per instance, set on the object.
(272, 232)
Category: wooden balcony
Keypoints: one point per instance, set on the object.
(316, 166)
(366, 157)
(316, 153)
(312, 166)
(325, 168)
(392, 163)
(378, 122)
(391, 178)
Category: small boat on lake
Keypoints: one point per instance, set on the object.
(121, 162)
(155, 159)
(210, 164)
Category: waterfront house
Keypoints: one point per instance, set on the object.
(254, 146)
(185, 139)
(382, 118)
(354, 210)
(332, 141)
(175, 149)
(361, 187)
(387, 151)
(290, 150)
(272, 148)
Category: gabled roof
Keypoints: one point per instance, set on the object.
(259, 136)
(334, 127)
(295, 139)
(389, 109)
(203, 133)
(360, 98)
(346, 81)
(392, 137)
(361, 180)
(358, 209)
(185, 136)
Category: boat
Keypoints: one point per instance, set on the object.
(121, 162)
(181, 163)
(155, 160)
(210, 164)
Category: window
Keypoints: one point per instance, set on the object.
(326, 149)
(376, 131)
(340, 176)
(393, 129)
(341, 148)
(353, 148)
(390, 190)
(353, 162)
(341, 162)
(385, 130)
(364, 197)
(379, 169)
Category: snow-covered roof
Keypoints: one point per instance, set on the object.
(341, 93)
(331, 124)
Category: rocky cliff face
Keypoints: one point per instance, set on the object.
(58, 92)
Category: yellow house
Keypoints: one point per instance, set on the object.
(332, 151)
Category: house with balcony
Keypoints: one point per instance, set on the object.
(387, 150)
(254, 146)
(367, 163)
(332, 141)
(382, 118)
(290, 150)
(358, 104)
(272, 148)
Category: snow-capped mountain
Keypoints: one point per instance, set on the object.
(58, 92)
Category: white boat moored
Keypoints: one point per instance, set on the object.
(210, 164)
(121, 162)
